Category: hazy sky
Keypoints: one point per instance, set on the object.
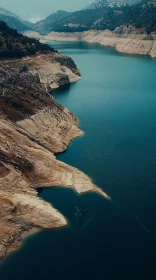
(36, 9)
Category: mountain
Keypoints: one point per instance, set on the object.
(13, 44)
(141, 16)
(78, 21)
(14, 21)
(46, 25)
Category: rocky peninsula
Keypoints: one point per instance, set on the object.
(33, 127)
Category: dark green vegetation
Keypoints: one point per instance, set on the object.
(141, 16)
(15, 45)
(46, 25)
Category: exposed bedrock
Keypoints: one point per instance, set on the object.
(32, 128)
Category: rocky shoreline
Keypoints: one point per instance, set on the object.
(32, 128)
(130, 43)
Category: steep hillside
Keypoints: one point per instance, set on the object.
(13, 44)
(78, 21)
(141, 16)
(46, 25)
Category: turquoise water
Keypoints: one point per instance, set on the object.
(116, 104)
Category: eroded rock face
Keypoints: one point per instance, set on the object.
(32, 128)
(53, 69)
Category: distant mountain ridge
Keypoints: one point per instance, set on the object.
(14, 21)
(140, 17)
(97, 4)
(46, 25)
(15, 45)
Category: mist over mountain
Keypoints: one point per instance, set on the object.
(7, 13)
(14, 21)
(38, 9)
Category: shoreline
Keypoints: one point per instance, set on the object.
(136, 44)
(33, 128)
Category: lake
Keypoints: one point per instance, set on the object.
(115, 102)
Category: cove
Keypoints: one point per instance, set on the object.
(116, 104)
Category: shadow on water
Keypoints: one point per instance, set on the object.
(65, 89)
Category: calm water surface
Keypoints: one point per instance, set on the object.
(116, 104)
